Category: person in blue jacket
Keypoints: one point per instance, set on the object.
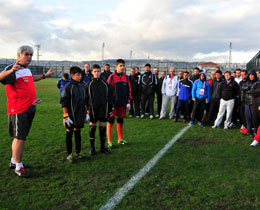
(200, 96)
(63, 81)
(184, 96)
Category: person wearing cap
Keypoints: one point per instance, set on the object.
(200, 97)
(229, 90)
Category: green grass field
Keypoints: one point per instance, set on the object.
(205, 169)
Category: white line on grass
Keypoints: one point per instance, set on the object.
(113, 201)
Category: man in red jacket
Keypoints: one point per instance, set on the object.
(121, 90)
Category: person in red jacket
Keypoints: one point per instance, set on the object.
(21, 101)
(121, 90)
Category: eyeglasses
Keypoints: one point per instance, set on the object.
(28, 54)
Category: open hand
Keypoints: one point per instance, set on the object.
(49, 72)
(16, 66)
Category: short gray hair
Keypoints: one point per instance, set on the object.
(24, 48)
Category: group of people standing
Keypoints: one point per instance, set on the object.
(91, 96)
(233, 97)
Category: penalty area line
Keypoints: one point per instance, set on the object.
(119, 195)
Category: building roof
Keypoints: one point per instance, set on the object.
(208, 64)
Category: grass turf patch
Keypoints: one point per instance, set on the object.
(206, 169)
(57, 184)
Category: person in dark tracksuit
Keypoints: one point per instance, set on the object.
(255, 91)
(106, 73)
(73, 101)
(159, 92)
(246, 88)
(242, 100)
(99, 105)
(193, 78)
(147, 87)
(86, 74)
(214, 98)
(184, 96)
(135, 103)
(200, 96)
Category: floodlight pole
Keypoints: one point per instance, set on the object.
(103, 51)
(38, 47)
(230, 56)
(131, 58)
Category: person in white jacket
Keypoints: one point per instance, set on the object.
(169, 92)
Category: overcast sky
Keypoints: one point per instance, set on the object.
(167, 29)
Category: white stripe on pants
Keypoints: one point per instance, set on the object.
(165, 101)
(223, 107)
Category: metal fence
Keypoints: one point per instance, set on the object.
(61, 67)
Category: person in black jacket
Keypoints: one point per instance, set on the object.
(99, 105)
(215, 98)
(255, 91)
(252, 78)
(196, 74)
(137, 71)
(135, 102)
(106, 73)
(147, 87)
(86, 74)
(159, 92)
(73, 101)
(193, 78)
(242, 100)
(229, 90)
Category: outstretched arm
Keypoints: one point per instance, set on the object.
(5, 74)
(40, 77)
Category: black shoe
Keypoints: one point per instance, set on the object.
(105, 151)
(92, 152)
(12, 165)
(21, 172)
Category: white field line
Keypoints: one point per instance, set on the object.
(118, 196)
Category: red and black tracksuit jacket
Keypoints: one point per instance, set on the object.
(121, 88)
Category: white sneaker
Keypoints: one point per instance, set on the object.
(161, 118)
(142, 116)
(254, 143)
(137, 116)
(226, 127)
(151, 116)
(215, 126)
(157, 115)
(130, 115)
(241, 127)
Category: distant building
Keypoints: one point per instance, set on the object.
(254, 63)
(208, 67)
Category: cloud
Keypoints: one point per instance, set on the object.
(180, 30)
